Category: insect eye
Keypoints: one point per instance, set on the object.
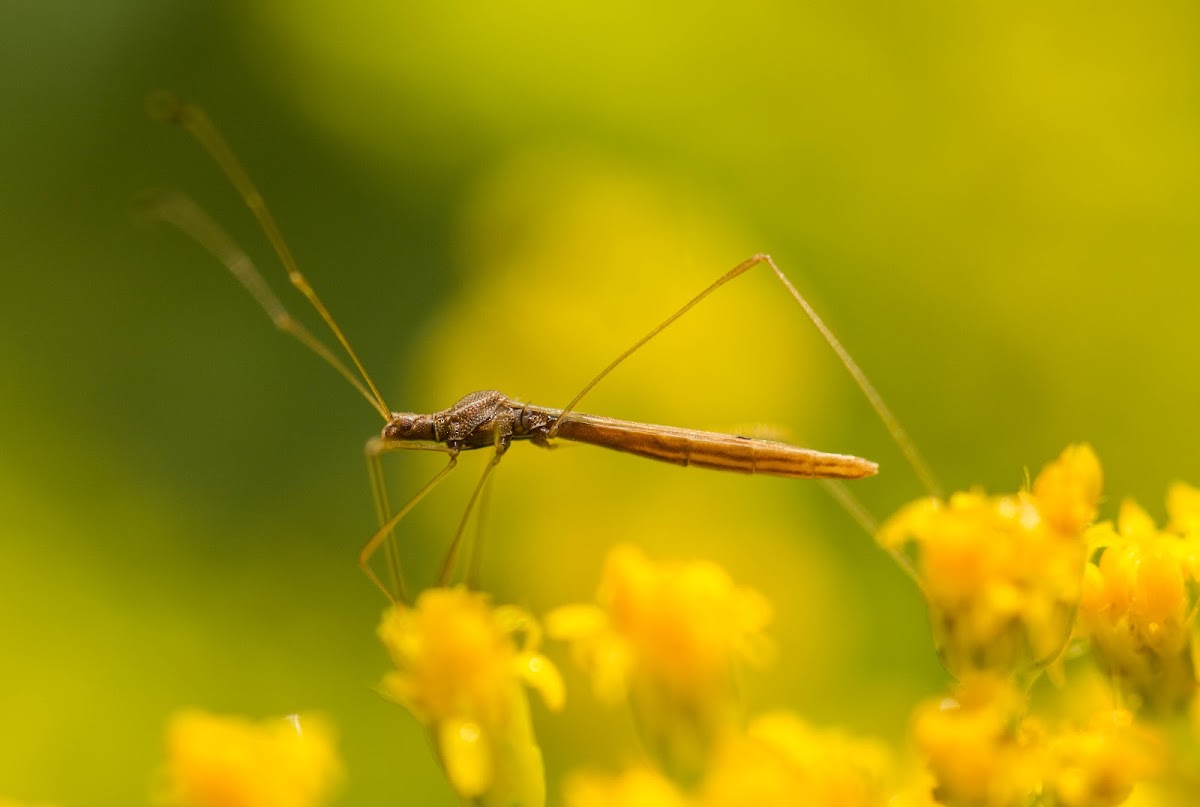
(399, 427)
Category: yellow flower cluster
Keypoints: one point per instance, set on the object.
(668, 637)
(459, 670)
(1099, 764)
(1139, 602)
(665, 637)
(777, 761)
(220, 761)
(1002, 575)
(976, 744)
(984, 750)
(1008, 580)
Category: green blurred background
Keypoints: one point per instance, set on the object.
(994, 206)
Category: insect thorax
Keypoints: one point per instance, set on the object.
(490, 418)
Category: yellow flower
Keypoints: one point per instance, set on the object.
(219, 761)
(1183, 508)
(918, 792)
(668, 638)
(1099, 766)
(637, 787)
(780, 760)
(977, 745)
(983, 751)
(1068, 489)
(1138, 602)
(1002, 575)
(460, 672)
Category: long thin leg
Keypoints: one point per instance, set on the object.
(851, 504)
(383, 513)
(502, 440)
(890, 422)
(456, 544)
(840, 492)
(389, 522)
(375, 449)
(180, 211)
(475, 550)
(167, 107)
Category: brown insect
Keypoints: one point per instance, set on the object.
(488, 419)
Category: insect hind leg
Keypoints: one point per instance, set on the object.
(907, 447)
(882, 411)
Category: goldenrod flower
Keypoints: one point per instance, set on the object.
(1002, 575)
(220, 761)
(1099, 766)
(778, 761)
(978, 746)
(637, 787)
(917, 793)
(781, 761)
(1067, 490)
(1139, 602)
(461, 673)
(984, 752)
(1183, 510)
(668, 637)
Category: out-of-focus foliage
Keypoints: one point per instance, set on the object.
(992, 205)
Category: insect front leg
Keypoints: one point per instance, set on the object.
(502, 440)
(376, 448)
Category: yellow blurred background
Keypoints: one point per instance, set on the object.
(994, 207)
